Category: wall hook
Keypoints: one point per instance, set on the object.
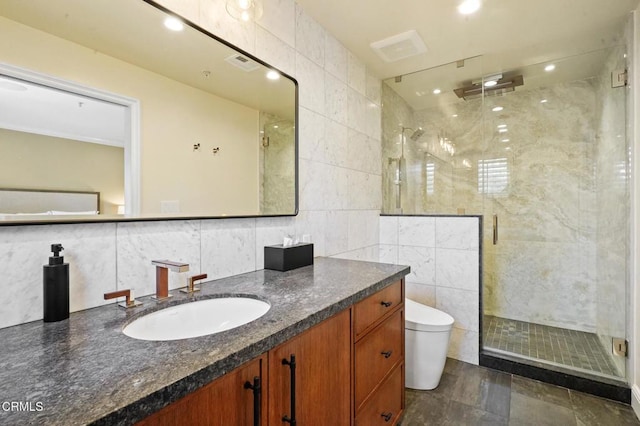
(196, 146)
(216, 150)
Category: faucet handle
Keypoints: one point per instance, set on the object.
(191, 288)
(130, 302)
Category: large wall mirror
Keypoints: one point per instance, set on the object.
(110, 112)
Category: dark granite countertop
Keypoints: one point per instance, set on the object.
(85, 370)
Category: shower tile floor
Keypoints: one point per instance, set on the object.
(570, 348)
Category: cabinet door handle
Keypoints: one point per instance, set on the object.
(386, 354)
(386, 304)
(386, 416)
(256, 387)
(291, 362)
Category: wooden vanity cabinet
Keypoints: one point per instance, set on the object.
(346, 370)
(378, 328)
(322, 375)
(226, 401)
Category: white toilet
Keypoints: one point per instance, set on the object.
(426, 342)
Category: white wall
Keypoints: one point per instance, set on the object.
(340, 194)
(444, 255)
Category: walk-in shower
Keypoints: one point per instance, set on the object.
(546, 162)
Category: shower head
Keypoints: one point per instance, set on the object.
(416, 134)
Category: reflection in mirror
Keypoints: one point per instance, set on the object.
(159, 123)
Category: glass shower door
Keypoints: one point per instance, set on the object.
(556, 205)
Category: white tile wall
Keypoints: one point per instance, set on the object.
(338, 96)
(444, 256)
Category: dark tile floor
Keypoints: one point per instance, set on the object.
(470, 395)
(571, 348)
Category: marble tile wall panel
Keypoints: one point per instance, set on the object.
(555, 282)
(275, 52)
(444, 256)
(417, 231)
(279, 18)
(311, 134)
(464, 345)
(389, 230)
(336, 99)
(227, 247)
(356, 74)
(287, 38)
(310, 77)
(336, 144)
(89, 250)
(309, 37)
(336, 58)
(138, 243)
(421, 293)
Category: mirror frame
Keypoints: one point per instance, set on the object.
(58, 220)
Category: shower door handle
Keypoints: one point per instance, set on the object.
(495, 229)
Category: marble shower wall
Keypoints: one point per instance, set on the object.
(340, 180)
(444, 255)
(276, 163)
(547, 206)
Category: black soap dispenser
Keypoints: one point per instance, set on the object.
(56, 286)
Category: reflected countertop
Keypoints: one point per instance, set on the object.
(85, 370)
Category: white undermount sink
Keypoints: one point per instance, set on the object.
(195, 319)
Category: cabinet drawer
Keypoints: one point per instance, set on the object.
(386, 405)
(376, 354)
(369, 310)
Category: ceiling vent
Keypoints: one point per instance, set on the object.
(503, 85)
(242, 62)
(399, 46)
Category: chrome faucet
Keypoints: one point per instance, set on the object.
(162, 275)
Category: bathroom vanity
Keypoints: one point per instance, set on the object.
(339, 322)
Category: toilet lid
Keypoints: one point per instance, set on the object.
(425, 318)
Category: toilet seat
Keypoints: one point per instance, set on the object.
(420, 317)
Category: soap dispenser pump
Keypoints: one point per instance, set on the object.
(56, 286)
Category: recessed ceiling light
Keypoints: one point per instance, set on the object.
(550, 68)
(503, 130)
(502, 126)
(437, 91)
(273, 75)
(490, 83)
(544, 101)
(174, 24)
(454, 115)
(468, 7)
(497, 109)
(504, 140)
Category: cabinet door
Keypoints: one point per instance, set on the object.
(322, 375)
(225, 401)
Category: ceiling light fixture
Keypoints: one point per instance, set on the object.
(502, 126)
(497, 109)
(437, 91)
(173, 23)
(550, 68)
(244, 10)
(468, 7)
(544, 101)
